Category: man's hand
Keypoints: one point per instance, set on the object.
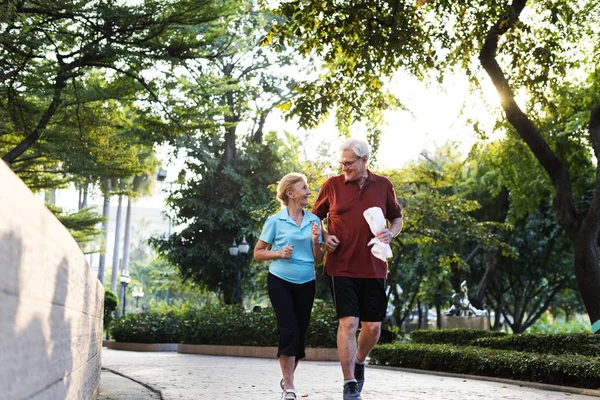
(331, 243)
(385, 236)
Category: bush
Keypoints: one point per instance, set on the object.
(228, 325)
(111, 302)
(565, 343)
(458, 336)
(149, 327)
(233, 325)
(570, 370)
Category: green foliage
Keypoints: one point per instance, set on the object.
(148, 327)
(231, 325)
(215, 204)
(111, 302)
(547, 324)
(50, 71)
(569, 370)
(323, 326)
(584, 344)
(458, 336)
(228, 325)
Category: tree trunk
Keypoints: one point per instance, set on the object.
(117, 247)
(583, 236)
(490, 267)
(106, 215)
(127, 238)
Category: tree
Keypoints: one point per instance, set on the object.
(441, 236)
(231, 161)
(47, 48)
(534, 49)
(214, 203)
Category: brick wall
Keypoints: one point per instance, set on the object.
(50, 303)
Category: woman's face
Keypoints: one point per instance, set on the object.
(299, 193)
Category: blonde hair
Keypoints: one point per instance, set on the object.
(285, 184)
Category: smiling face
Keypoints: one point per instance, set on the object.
(353, 167)
(299, 193)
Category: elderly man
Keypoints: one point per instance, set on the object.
(357, 277)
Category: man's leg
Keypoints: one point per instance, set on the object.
(367, 339)
(346, 344)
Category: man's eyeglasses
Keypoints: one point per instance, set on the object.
(348, 164)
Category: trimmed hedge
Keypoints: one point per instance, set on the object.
(584, 344)
(568, 370)
(456, 336)
(228, 325)
(149, 327)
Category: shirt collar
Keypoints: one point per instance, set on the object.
(285, 216)
(370, 178)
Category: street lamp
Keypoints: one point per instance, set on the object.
(161, 176)
(137, 293)
(125, 279)
(238, 253)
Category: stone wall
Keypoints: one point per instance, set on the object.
(50, 303)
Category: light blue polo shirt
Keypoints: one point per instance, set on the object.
(280, 230)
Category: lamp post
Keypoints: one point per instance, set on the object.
(137, 293)
(125, 279)
(238, 253)
(161, 176)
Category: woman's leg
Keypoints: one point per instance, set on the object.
(304, 297)
(280, 293)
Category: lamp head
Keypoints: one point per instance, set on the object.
(233, 250)
(244, 246)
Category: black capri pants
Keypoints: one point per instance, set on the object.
(292, 304)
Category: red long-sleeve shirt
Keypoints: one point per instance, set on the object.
(343, 204)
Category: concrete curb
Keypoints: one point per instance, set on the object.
(144, 384)
(312, 353)
(111, 344)
(535, 385)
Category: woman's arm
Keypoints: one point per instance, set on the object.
(262, 252)
(318, 252)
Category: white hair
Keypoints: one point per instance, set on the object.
(358, 146)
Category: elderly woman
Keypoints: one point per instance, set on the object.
(292, 240)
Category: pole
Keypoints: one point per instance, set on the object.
(124, 297)
(239, 280)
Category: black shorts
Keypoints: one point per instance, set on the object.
(364, 298)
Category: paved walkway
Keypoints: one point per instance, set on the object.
(185, 376)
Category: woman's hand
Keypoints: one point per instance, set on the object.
(286, 252)
(316, 233)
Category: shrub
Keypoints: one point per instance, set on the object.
(458, 336)
(111, 302)
(233, 325)
(228, 325)
(565, 343)
(149, 327)
(570, 370)
(322, 331)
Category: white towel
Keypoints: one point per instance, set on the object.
(376, 221)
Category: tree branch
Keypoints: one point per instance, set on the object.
(563, 200)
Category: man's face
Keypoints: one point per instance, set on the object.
(352, 166)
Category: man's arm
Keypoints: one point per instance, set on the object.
(396, 226)
(386, 235)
